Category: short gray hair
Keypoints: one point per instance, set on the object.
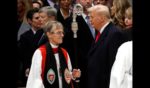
(50, 26)
(50, 11)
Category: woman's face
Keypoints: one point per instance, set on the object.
(56, 36)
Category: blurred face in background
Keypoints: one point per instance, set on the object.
(96, 2)
(41, 2)
(43, 17)
(65, 4)
(86, 3)
(128, 18)
(36, 5)
(47, 13)
(35, 22)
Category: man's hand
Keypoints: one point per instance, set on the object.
(76, 73)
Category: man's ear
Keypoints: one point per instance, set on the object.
(29, 21)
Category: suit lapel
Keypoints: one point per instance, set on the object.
(101, 39)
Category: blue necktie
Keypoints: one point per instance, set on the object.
(91, 28)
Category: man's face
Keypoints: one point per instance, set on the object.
(35, 22)
(95, 20)
(86, 3)
(43, 17)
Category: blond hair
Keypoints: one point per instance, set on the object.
(120, 8)
(100, 10)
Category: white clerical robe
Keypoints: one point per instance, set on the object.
(121, 73)
(35, 79)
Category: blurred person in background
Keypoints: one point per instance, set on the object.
(118, 12)
(28, 41)
(23, 7)
(36, 4)
(52, 3)
(47, 13)
(128, 23)
(103, 2)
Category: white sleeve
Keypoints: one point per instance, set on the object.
(118, 70)
(120, 67)
(34, 78)
(69, 63)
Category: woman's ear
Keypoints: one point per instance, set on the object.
(48, 34)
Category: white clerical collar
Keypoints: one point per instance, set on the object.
(54, 46)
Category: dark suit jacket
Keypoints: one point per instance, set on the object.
(128, 33)
(78, 48)
(42, 40)
(65, 22)
(84, 42)
(102, 55)
(68, 37)
(27, 45)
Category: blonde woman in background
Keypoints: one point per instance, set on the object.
(118, 12)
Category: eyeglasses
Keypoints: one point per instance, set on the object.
(58, 33)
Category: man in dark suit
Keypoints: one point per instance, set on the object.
(102, 54)
(47, 13)
(28, 41)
